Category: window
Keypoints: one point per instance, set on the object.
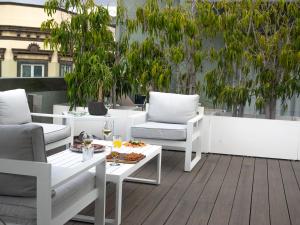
(65, 68)
(32, 70)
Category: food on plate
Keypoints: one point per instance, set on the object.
(133, 156)
(135, 144)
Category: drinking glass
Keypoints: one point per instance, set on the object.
(108, 129)
(108, 105)
(117, 144)
(87, 153)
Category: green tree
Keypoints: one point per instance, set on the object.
(260, 56)
(230, 82)
(86, 37)
(275, 27)
(172, 47)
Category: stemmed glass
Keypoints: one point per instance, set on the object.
(108, 129)
(108, 104)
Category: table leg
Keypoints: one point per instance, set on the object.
(118, 206)
(100, 202)
(158, 169)
(149, 181)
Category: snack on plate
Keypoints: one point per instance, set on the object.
(133, 156)
(134, 144)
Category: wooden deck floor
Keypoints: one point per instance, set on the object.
(221, 190)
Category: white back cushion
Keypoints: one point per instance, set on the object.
(14, 107)
(172, 108)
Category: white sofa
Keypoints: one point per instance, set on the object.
(14, 110)
(173, 121)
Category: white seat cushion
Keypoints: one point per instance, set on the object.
(162, 131)
(172, 108)
(14, 107)
(17, 210)
(55, 132)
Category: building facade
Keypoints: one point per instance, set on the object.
(22, 52)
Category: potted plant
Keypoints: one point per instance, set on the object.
(86, 37)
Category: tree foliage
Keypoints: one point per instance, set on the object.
(260, 56)
(171, 48)
(86, 37)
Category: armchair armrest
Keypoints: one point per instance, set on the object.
(51, 115)
(195, 119)
(67, 174)
(25, 168)
(138, 118)
(134, 120)
(193, 127)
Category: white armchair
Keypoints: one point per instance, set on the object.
(14, 110)
(60, 193)
(172, 121)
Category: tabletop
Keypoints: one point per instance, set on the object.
(69, 159)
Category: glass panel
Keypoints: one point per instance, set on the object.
(65, 68)
(26, 71)
(38, 71)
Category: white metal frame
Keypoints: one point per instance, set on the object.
(190, 145)
(46, 183)
(115, 175)
(68, 120)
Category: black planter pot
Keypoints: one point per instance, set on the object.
(97, 108)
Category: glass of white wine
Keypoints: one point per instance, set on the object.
(108, 129)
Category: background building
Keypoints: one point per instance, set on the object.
(22, 52)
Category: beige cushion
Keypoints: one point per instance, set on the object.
(172, 108)
(162, 131)
(14, 107)
(55, 132)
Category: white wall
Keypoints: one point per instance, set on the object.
(252, 137)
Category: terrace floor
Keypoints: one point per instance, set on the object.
(220, 190)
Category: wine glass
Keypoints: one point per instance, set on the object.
(108, 129)
(108, 104)
(117, 144)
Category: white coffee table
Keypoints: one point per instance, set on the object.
(114, 174)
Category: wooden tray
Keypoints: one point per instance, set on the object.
(121, 159)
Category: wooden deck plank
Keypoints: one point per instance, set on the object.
(240, 214)
(138, 214)
(260, 196)
(292, 192)
(296, 168)
(184, 208)
(161, 213)
(206, 202)
(222, 209)
(278, 209)
(135, 199)
(266, 192)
